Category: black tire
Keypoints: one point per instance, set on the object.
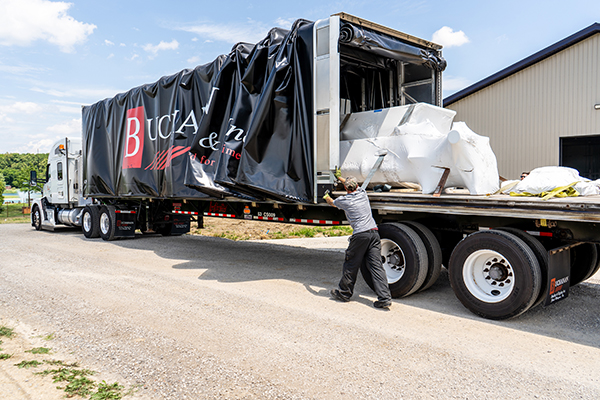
(36, 218)
(584, 261)
(434, 253)
(90, 222)
(495, 274)
(165, 230)
(404, 259)
(540, 253)
(597, 267)
(107, 223)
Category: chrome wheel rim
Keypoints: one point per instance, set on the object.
(104, 223)
(393, 260)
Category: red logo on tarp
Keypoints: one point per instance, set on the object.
(134, 141)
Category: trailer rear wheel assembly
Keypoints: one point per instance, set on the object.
(107, 222)
(434, 253)
(90, 222)
(495, 274)
(540, 253)
(404, 258)
(584, 262)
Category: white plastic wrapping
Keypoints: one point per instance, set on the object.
(545, 179)
(419, 146)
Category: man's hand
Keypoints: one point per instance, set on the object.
(337, 173)
(328, 198)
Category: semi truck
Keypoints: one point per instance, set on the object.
(256, 135)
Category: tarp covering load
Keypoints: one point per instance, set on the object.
(420, 141)
(388, 47)
(240, 125)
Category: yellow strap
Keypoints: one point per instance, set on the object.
(563, 191)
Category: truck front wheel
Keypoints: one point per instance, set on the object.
(107, 222)
(90, 222)
(36, 218)
(495, 274)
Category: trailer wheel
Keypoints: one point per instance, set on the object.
(495, 274)
(90, 222)
(107, 222)
(36, 218)
(584, 262)
(597, 267)
(434, 253)
(540, 253)
(404, 259)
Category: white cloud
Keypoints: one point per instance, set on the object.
(454, 84)
(108, 42)
(154, 49)
(111, 55)
(122, 44)
(251, 32)
(24, 21)
(448, 38)
(67, 128)
(285, 22)
(8, 111)
(194, 39)
(193, 60)
(38, 146)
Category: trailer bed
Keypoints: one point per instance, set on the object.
(579, 209)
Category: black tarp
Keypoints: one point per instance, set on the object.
(241, 125)
(389, 47)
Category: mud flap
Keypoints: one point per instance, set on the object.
(559, 274)
(180, 224)
(124, 223)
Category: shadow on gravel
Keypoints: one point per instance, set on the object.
(575, 319)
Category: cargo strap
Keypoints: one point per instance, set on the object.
(562, 191)
(373, 170)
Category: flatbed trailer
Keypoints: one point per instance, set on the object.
(504, 254)
(256, 135)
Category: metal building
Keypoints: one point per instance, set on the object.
(543, 110)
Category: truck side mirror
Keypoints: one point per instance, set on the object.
(33, 177)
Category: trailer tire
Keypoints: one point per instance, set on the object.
(585, 260)
(597, 267)
(107, 223)
(36, 218)
(434, 253)
(404, 259)
(495, 274)
(90, 222)
(540, 253)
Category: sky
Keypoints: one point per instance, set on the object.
(56, 56)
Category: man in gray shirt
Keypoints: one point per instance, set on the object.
(364, 247)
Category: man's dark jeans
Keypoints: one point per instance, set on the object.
(364, 247)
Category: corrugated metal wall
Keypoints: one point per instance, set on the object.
(525, 114)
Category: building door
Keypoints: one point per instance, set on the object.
(581, 153)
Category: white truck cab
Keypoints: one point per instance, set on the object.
(62, 195)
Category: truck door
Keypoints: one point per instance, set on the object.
(57, 164)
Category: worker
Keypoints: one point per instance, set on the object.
(524, 175)
(365, 244)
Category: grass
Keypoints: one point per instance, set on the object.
(28, 364)
(39, 350)
(7, 332)
(75, 380)
(303, 232)
(13, 214)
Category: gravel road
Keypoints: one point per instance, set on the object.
(195, 317)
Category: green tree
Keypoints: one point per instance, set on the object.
(2, 187)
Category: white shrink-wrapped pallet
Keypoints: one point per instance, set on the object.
(420, 143)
